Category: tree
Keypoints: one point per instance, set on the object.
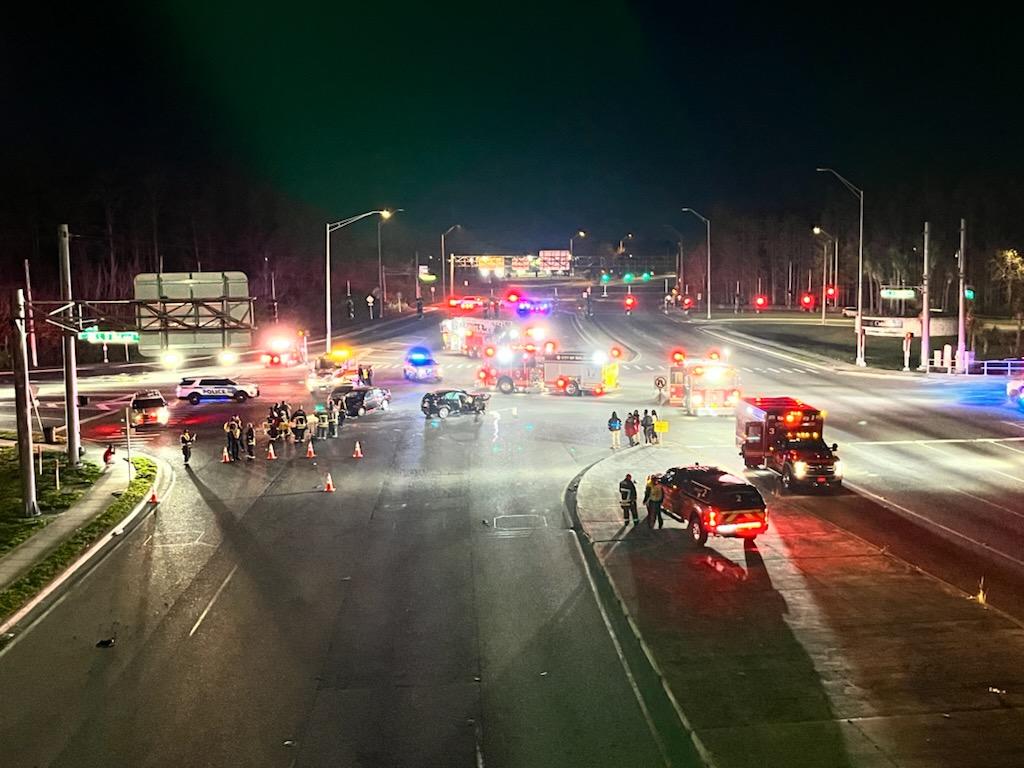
(1008, 267)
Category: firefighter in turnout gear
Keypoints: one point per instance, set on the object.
(299, 424)
(332, 417)
(322, 423)
(250, 442)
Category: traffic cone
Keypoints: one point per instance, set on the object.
(224, 458)
(309, 450)
(328, 484)
(152, 497)
(358, 452)
(271, 456)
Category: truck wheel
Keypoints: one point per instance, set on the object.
(443, 411)
(572, 389)
(750, 464)
(505, 386)
(194, 398)
(787, 480)
(241, 397)
(698, 535)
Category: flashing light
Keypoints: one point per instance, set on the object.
(560, 383)
(598, 390)
(163, 416)
(531, 348)
(171, 359)
(697, 398)
(792, 417)
(265, 358)
(489, 351)
(482, 374)
(760, 301)
(599, 358)
(630, 301)
(453, 302)
(615, 352)
(467, 332)
(800, 469)
(512, 298)
(537, 334)
(712, 518)
(513, 333)
(227, 357)
(279, 344)
(698, 371)
(837, 468)
(687, 302)
(628, 277)
(830, 292)
(678, 356)
(340, 353)
(549, 348)
(733, 397)
(807, 300)
(504, 355)
(713, 373)
(713, 355)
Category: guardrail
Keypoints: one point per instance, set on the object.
(1008, 367)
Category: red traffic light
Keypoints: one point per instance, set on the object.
(687, 301)
(806, 299)
(630, 301)
(830, 291)
(761, 301)
(678, 355)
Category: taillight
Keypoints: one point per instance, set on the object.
(560, 383)
(712, 518)
(482, 374)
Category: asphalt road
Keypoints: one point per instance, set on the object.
(433, 611)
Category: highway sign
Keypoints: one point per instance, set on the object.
(898, 293)
(94, 335)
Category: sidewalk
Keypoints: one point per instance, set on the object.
(812, 648)
(95, 501)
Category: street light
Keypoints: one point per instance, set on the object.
(824, 266)
(578, 233)
(859, 194)
(707, 223)
(384, 216)
(327, 288)
(444, 259)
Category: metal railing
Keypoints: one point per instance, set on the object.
(1007, 367)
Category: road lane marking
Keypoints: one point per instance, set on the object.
(927, 441)
(213, 600)
(1000, 507)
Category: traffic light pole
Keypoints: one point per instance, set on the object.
(926, 309)
(71, 420)
(961, 328)
(824, 279)
(22, 414)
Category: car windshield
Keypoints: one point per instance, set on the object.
(149, 402)
(739, 498)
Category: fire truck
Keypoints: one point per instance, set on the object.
(471, 335)
(573, 373)
(785, 435)
(708, 386)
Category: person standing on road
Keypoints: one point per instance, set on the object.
(322, 423)
(647, 423)
(299, 424)
(655, 438)
(627, 499)
(361, 376)
(250, 442)
(653, 494)
(369, 375)
(235, 440)
(187, 438)
(615, 427)
(631, 429)
(332, 417)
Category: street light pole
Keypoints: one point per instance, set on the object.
(384, 216)
(327, 253)
(572, 261)
(707, 223)
(824, 267)
(961, 326)
(444, 263)
(859, 194)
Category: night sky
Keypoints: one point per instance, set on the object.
(522, 120)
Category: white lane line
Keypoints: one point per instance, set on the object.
(213, 600)
(1000, 507)
(650, 367)
(1003, 445)
(749, 370)
(939, 440)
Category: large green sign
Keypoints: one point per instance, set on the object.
(898, 293)
(95, 336)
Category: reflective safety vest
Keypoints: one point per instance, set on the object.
(300, 421)
(322, 419)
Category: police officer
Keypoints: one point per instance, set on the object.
(322, 423)
(332, 417)
(187, 438)
(250, 442)
(299, 424)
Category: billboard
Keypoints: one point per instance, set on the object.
(554, 261)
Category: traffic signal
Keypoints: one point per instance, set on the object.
(646, 276)
(605, 277)
(969, 292)
(631, 302)
(760, 302)
(628, 277)
(678, 356)
(687, 302)
(830, 292)
(807, 300)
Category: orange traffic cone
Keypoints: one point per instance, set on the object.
(224, 458)
(328, 484)
(309, 450)
(271, 456)
(358, 452)
(152, 497)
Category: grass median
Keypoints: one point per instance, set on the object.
(74, 482)
(46, 570)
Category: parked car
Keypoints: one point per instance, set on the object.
(712, 502)
(849, 311)
(446, 402)
(195, 390)
(363, 400)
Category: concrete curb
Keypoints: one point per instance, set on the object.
(597, 570)
(25, 617)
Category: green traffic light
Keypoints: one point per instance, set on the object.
(628, 277)
(969, 294)
(646, 276)
(605, 278)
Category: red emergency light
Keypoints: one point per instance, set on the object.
(678, 355)
(687, 302)
(792, 417)
(531, 348)
(630, 301)
(760, 301)
(807, 300)
(489, 351)
(512, 298)
(453, 302)
(482, 374)
(615, 352)
(714, 355)
(560, 383)
(549, 348)
(830, 291)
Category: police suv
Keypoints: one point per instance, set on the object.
(197, 389)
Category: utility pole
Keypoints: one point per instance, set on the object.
(824, 279)
(926, 310)
(70, 352)
(30, 319)
(273, 293)
(22, 395)
(416, 277)
(961, 328)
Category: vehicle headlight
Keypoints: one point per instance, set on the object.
(800, 468)
(837, 468)
(163, 416)
(227, 357)
(171, 359)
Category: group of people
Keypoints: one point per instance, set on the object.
(653, 495)
(634, 425)
(237, 436)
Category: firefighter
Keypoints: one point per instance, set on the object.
(627, 499)
(299, 424)
(653, 494)
(234, 433)
(250, 442)
(332, 417)
(187, 438)
(322, 423)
